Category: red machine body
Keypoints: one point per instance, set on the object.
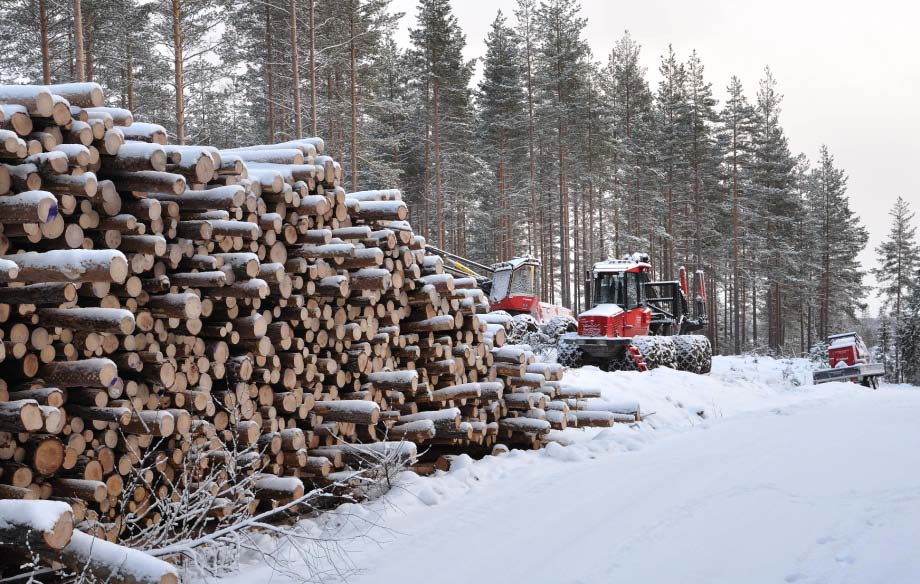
(610, 320)
(847, 349)
(620, 310)
(849, 360)
(514, 289)
(628, 308)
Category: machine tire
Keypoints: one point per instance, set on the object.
(658, 351)
(626, 363)
(706, 362)
(667, 352)
(694, 353)
(521, 325)
(558, 326)
(569, 355)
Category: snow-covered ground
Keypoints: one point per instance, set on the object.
(748, 475)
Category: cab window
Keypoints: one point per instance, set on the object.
(524, 280)
(632, 290)
(501, 282)
(609, 288)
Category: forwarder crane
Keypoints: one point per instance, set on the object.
(511, 285)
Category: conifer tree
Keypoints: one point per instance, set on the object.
(502, 127)
(444, 77)
(736, 130)
(778, 206)
(898, 257)
(672, 137)
(885, 346)
(908, 342)
(628, 93)
(898, 260)
(838, 236)
(562, 56)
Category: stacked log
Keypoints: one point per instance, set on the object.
(167, 310)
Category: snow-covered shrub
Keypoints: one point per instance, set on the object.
(818, 354)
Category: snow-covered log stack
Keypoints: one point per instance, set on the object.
(167, 310)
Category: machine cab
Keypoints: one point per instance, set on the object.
(846, 349)
(515, 286)
(625, 289)
(618, 296)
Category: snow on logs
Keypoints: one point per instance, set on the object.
(166, 309)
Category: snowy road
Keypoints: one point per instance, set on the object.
(823, 487)
(827, 493)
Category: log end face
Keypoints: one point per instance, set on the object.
(31, 417)
(59, 535)
(118, 269)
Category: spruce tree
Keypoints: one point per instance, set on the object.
(501, 131)
(838, 238)
(898, 257)
(908, 342)
(885, 346)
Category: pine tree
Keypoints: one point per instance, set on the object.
(385, 129)
(183, 26)
(524, 15)
(778, 206)
(38, 41)
(736, 137)
(631, 119)
(838, 238)
(908, 341)
(562, 56)
(443, 78)
(703, 156)
(672, 136)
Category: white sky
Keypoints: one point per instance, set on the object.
(850, 73)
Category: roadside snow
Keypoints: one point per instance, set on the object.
(750, 474)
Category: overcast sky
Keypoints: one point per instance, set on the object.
(849, 71)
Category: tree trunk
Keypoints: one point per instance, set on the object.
(269, 57)
(426, 187)
(330, 109)
(295, 73)
(90, 25)
(533, 232)
(501, 243)
(736, 269)
(354, 102)
(43, 30)
(438, 194)
(177, 64)
(563, 220)
(80, 62)
(313, 69)
(754, 310)
(129, 75)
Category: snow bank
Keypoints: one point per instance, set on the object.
(527, 483)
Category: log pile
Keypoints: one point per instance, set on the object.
(158, 301)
